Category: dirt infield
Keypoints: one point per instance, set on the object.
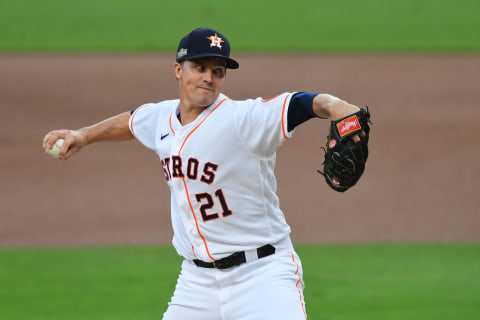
(422, 180)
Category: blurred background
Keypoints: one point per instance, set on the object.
(416, 64)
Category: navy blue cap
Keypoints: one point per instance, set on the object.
(205, 42)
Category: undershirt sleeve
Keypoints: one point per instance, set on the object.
(300, 109)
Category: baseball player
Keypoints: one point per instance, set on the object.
(218, 158)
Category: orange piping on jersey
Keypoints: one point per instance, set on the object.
(196, 222)
(296, 285)
(198, 125)
(193, 250)
(185, 184)
(270, 99)
(133, 115)
(283, 115)
(170, 122)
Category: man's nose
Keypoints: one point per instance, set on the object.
(208, 75)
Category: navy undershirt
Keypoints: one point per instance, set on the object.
(300, 109)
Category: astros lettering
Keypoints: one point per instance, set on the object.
(172, 167)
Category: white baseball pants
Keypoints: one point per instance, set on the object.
(268, 288)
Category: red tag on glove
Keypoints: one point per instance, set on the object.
(348, 125)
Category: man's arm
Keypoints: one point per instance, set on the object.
(112, 129)
(328, 106)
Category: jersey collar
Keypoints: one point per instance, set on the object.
(176, 123)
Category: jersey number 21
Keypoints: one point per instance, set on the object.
(208, 204)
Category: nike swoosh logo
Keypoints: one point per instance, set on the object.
(164, 136)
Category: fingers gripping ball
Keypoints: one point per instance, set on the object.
(344, 159)
(54, 152)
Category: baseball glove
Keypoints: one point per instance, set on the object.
(344, 159)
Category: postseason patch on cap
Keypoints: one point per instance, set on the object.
(182, 53)
(348, 125)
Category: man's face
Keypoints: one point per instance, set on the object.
(200, 80)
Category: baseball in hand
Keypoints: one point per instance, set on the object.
(55, 150)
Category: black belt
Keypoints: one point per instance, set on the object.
(235, 259)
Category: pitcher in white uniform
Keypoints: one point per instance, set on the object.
(218, 157)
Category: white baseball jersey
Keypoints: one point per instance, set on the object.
(220, 170)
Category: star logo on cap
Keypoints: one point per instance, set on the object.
(216, 41)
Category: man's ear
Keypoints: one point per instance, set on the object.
(178, 70)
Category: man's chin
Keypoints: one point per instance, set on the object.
(207, 101)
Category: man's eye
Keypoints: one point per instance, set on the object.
(200, 68)
(219, 73)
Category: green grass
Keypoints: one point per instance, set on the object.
(97, 283)
(392, 282)
(342, 282)
(303, 25)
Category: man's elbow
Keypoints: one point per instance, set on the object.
(323, 104)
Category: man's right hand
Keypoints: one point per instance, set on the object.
(73, 141)
(111, 129)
